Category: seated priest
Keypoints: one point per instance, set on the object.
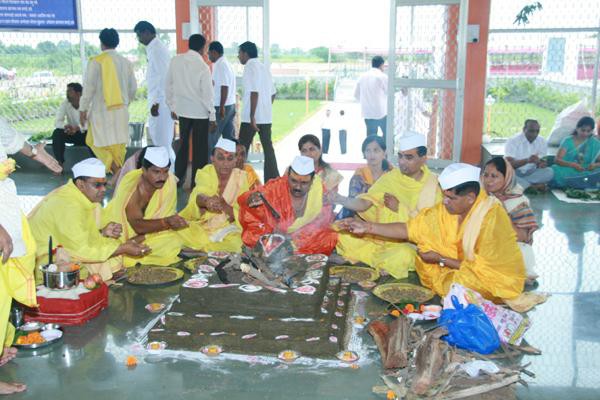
(71, 216)
(212, 209)
(395, 197)
(291, 205)
(144, 204)
(253, 179)
(468, 239)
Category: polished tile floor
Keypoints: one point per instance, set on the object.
(89, 363)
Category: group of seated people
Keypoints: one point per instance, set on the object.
(450, 228)
(576, 165)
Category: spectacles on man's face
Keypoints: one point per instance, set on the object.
(98, 185)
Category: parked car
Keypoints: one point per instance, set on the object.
(8, 74)
(44, 78)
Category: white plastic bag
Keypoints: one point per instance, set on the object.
(566, 121)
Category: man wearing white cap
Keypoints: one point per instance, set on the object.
(468, 239)
(71, 215)
(145, 205)
(292, 205)
(212, 209)
(395, 197)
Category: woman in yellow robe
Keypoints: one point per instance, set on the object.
(165, 245)
(210, 231)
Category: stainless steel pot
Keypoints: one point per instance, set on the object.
(60, 280)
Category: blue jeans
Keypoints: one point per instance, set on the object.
(373, 124)
(224, 127)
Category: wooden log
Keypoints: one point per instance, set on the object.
(476, 390)
(430, 358)
(397, 356)
(379, 330)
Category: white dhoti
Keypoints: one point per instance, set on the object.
(162, 128)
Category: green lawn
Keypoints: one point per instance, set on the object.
(507, 118)
(288, 114)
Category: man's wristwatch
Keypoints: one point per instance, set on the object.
(442, 262)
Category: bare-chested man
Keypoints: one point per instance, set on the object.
(147, 198)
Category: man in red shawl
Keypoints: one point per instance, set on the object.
(291, 205)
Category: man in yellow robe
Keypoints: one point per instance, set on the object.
(71, 215)
(212, 209)
(395, 197)
(109, 88)
(17, 246)
(467, 239)
(241, 155)
(144, 204)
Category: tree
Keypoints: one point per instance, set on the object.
(46, 47)
(320, 52)
(522, 17)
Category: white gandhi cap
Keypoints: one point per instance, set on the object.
(90, 168)
(226, 144)
(158, 156)
(456, 174)
(409, 141)
(303, 165)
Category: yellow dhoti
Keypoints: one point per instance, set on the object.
(210, 231)
(165, 245)
(17, 282)
(395, 257)
(485, 243)
(109, 155)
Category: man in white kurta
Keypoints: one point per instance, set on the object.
(108, 117)
(17, 247)
(160, 123)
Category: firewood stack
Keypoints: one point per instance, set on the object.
(419, 364)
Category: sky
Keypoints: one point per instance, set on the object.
(311, 23)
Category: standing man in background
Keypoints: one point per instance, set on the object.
(109, 88)
(257, 114)
(71, 131)
(160, 124)
(224, 93)
(371, 92)
(189, 94)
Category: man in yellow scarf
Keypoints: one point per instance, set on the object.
(109, 88)
(395, 197)
(71, 214)
(144, 204)
(17, 246)
(212, 209)
(467, 239)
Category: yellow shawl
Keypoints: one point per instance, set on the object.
(314, 203)
(111, 89)
(207, 183)
(162, 204)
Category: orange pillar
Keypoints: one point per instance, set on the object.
(182, 15)
(479, 14)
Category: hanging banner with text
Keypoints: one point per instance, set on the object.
(38, 14)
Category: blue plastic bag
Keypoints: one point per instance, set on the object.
(469, 328)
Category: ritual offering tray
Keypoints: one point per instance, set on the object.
(35, 335)
(301, 309)
(154, 275)
(398, 293)
(354, 274)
